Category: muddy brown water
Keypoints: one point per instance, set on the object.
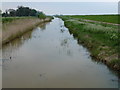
(49, 57)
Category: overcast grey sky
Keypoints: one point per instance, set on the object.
(67, 7)
(60, 0)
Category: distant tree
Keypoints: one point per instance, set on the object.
(42, 15)
(0, 11)
(12, 12)
(38, 13)
(5, 14)
(33, 12)
(23, 11)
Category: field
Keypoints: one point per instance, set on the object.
(10, 19)
(101, 39)
(101, 18)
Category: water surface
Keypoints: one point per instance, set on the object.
(49, 57)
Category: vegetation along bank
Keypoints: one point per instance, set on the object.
(16, 23)
(100, 36)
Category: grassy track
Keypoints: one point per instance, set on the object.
(102, 41)
(102, 18)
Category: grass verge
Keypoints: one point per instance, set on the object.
(102, 41)
(18, 27)
(101, 18)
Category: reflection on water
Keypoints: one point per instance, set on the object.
(49, 57)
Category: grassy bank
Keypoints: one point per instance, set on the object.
(10, 19)
(101, 18)
(101, 40)
(15, 27)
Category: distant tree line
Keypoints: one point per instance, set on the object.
(21, 11)
(0, 12)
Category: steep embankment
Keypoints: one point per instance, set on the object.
(101, 39)
(16, 28)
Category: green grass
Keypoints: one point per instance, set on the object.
(10, 19)
(102, 18)
(102, 41)
(107, 35)
(115, 61)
